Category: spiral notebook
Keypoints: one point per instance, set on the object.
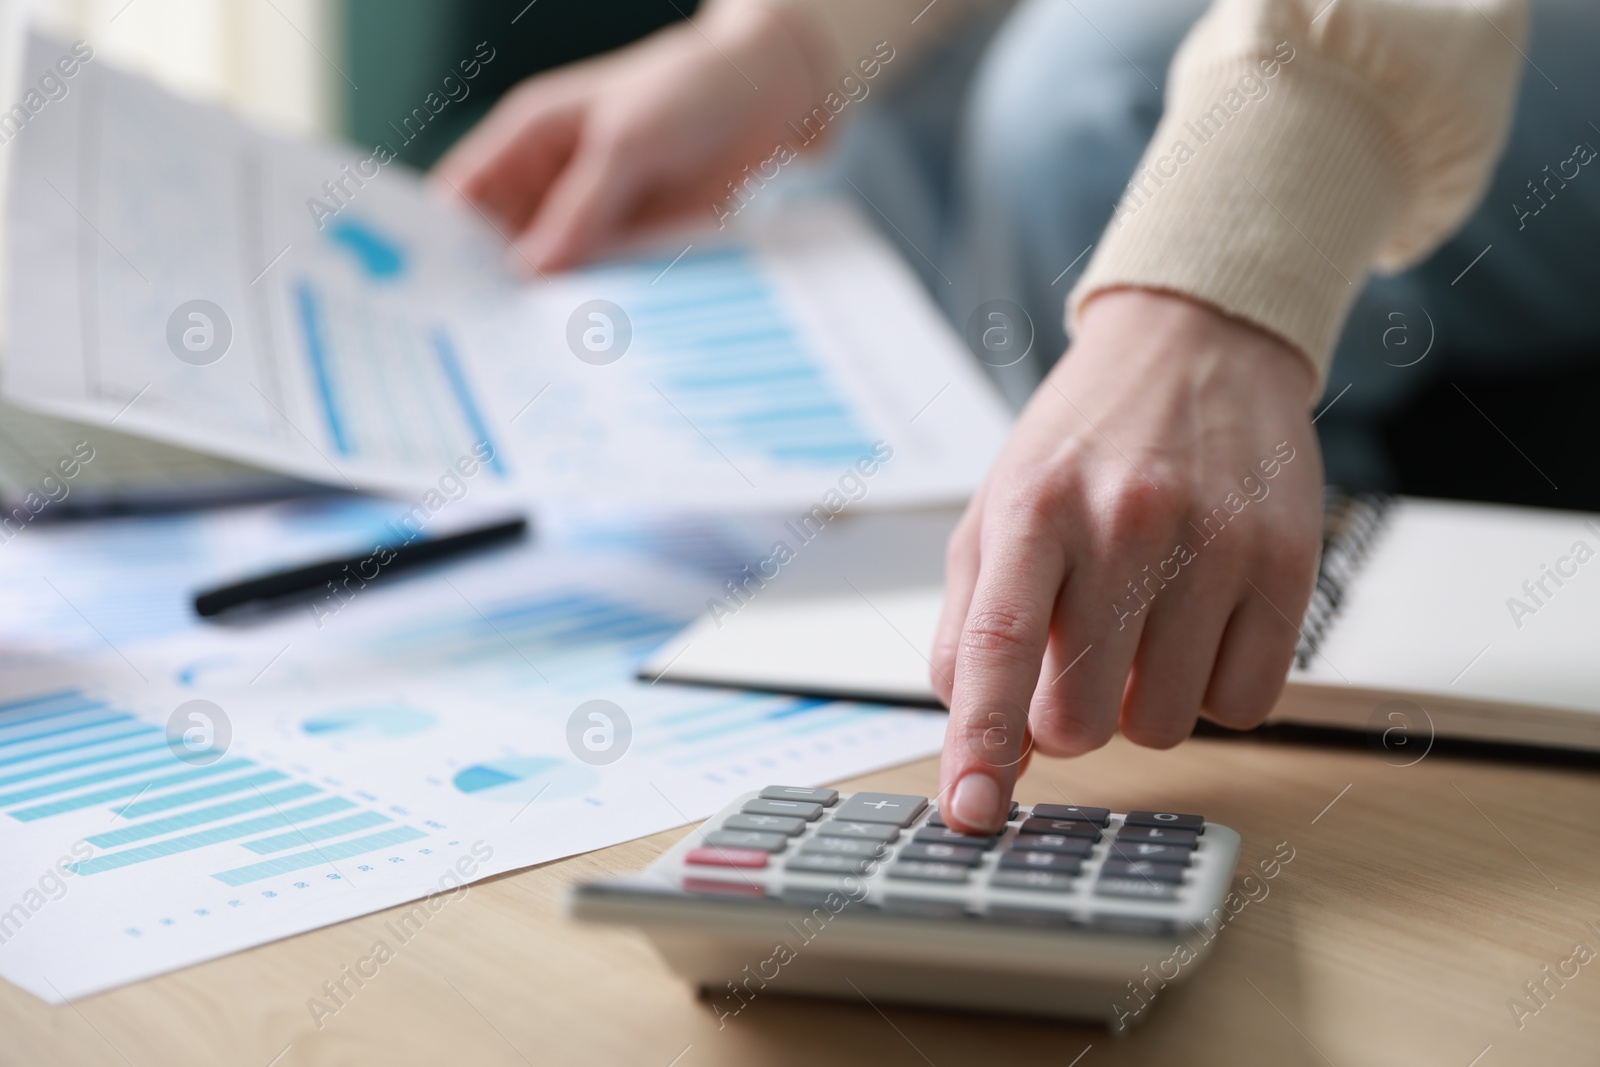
(1455, 620)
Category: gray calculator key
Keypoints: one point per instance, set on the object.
(1136, 888)
(1098, 816)
(1067, 846)
(930, 872)
(1041, 861)
(1041, 911)
(772, 824)
(1169, 819)
(924, 908)
(1156, 872)
(863, 831)
(1048, 881)
(943, 835)
(825, 797)
(938, 853)
(897, 809)
(1064, 827)
(935, 819)
(747, 839)
(1158, 835)
(844, 846)
(799, 809)
(827, 863)
(1149, 850)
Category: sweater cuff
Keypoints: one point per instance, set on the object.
(1266, 197)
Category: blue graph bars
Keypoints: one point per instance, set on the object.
(23, 755)
(365, 820)
(200, 816)
(138, 809)
(86, 761)
(124, 789)
(114, 757)
(721, 348)
(317, 857)
(215, 835)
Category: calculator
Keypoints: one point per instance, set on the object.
(1067, 912)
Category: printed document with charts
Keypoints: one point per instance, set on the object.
(317, 312)
(173, 790)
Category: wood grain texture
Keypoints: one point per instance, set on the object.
(1413, 909)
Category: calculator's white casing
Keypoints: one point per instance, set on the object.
(1075, 961)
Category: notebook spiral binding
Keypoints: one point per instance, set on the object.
(1350, 524)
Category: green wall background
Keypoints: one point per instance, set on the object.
(398, 51)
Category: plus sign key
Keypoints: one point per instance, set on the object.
(896, 809)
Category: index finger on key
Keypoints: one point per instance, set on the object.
(997, 669)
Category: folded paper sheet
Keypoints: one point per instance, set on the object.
(181, 273)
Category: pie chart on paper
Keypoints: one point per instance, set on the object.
(519, 779)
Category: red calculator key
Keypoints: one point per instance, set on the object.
(727, 857)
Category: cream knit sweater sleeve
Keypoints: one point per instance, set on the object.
(1307, 142)
(1304, 143)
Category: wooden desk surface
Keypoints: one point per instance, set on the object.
(1416, 905)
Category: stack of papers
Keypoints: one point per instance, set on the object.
(172, 791)
(432, 731)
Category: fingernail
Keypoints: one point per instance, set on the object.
(976, 800)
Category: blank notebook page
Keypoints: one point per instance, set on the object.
(1429, 610)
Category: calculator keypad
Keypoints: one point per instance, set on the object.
(1061, 862)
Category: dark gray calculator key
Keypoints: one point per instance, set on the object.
(799, 809)
(935, 819)
(1158, 835)
(747, 839)
(1136, 888)
(924, 908)
(863, 831)
(1097, 816)
(1047, 881)
(1067, 846)
(843, 846)
(827, 863)
(896, 809)
(930, 872)
(1150, 851)
(825, 797)
(1064, 827)
(938, 853)
(772, 824)
(1041, 861)
(943, 835)
(1156, 872)
(1169, 819)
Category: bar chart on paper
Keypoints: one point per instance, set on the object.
(64, 753)
(762, 361)
(712, 337)
(376, 754)
(133, 837)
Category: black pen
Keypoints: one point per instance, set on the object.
(278, 584)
